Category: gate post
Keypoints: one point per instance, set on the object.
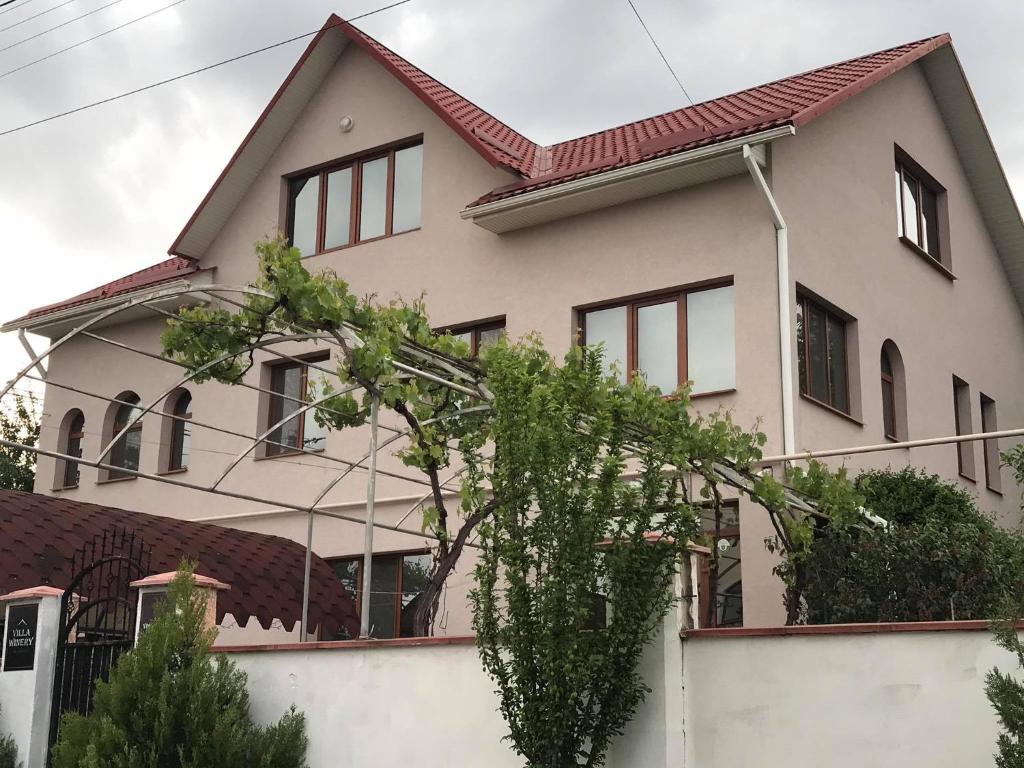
(26, 671)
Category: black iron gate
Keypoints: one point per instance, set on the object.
(97, 619)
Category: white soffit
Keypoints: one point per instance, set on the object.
(978, 156)
(622, 185)
(261, 144)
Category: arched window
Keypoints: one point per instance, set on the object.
(181, 431)
(73, 432)
(125, 452)
(894, 393)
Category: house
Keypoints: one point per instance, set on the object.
(867, 194)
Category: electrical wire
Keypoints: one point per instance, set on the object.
(59, 26)
(182, 76)
(89, 39)
(15, 8)
(36, 16)
(660, 52)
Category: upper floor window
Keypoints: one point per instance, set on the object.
(126, 451)
(821, 352)
(73, 437)
(290, 383)
(478, 336)
(917, 208)
(674, 338)
(181, 432)
(356, 200)
(397, 581)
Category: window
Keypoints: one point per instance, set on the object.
(993, 481)
(181, 432)
(290, 383)
(888, 398)
(917, 209)
(357, 200)
(671, 339)
(74, 434)
(894, 392)
(478, 336)
(821, 352)
(125, 452)
(726, 609)
(962, 422)
(397, 581)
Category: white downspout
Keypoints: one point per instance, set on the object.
(785, 307)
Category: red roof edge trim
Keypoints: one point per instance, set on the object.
(175, 249)
(879, 74)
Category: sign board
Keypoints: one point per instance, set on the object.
(20, 637)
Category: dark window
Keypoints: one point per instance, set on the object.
(478, 336)
(888, 397)
(125, 452)
(357, 200)
(917, 211)
(990, 447)
(963, 424)
(671, 339)
(181, 432)
(726, 609)
(397, 581)
(290, 383)
(73, 447)
(821, 352)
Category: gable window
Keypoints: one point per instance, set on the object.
(75, 433)
(356, 200)
(963, 425)
(478, 336)
(821, 353)
(290, 385)
(674, 338)
(397, 581)
(181, 432)
(917, 208)
(126, 451)
(993, 481)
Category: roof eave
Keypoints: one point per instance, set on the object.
(618, 185)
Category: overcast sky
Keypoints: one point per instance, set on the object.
(90, 197)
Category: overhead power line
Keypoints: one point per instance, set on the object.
(59, 26)
(36, 16)
(182, 76)
(89, 39)
(660, 53)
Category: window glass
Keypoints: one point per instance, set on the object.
(888, 397)
(657, 344)
(415, 570)
(305, 204)
(348, 572)
(383, 597)
(125, 452)
(899, 203)
(287, 381)
(929, 222)
(181, 432)
(837, 364)
(711, 339)
(408, 189)
(337, 231)
(609, 326)
(489, 336)
(817, 347)
(990, 448)
(76, 431)
(728, 603)
(373, 199)
(910, 202)
(314, 437)
(964, 426)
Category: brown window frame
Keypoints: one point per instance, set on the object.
(889, 384)
(275, 448)
(355, 197)
(804, 303)
(176, 460)
(990, 448)
(910, 171)
(72, 477)
(474, 329)
(400, 575)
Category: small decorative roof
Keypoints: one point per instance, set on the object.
(261, 575)
(164, 579)
(31, 592)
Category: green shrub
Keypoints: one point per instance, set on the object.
(170, 704)
(1006, 694)
(940, 558)
(8, 753)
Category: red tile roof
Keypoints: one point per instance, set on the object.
(40, 534)
(170, 269)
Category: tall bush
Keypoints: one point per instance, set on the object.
(171, 704)
(8, 752)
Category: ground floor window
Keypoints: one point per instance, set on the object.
(396, 583)
(724, 584)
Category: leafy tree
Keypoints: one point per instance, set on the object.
(19, 424)
(1006, 694)
(8, 753)
(170, 704)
